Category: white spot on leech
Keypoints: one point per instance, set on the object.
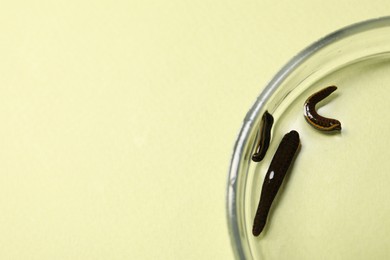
(271, 175)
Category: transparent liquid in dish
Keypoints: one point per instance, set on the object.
(335, 200)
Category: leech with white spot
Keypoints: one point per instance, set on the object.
(280, 163)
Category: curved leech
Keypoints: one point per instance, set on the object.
(277, 170)
(265, 136)
(313, 118)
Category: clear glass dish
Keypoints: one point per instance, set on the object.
(335, 201)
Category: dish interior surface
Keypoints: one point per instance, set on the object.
(335, 200)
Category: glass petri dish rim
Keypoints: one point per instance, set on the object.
(252, 114)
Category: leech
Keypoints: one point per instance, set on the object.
(265, 136)
(280, 163)
(313, 118)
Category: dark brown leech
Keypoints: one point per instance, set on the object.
(280, 163)
(265, 136)
(313, 118)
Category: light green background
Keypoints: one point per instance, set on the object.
(118, 118)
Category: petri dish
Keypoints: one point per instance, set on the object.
(335, 200)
